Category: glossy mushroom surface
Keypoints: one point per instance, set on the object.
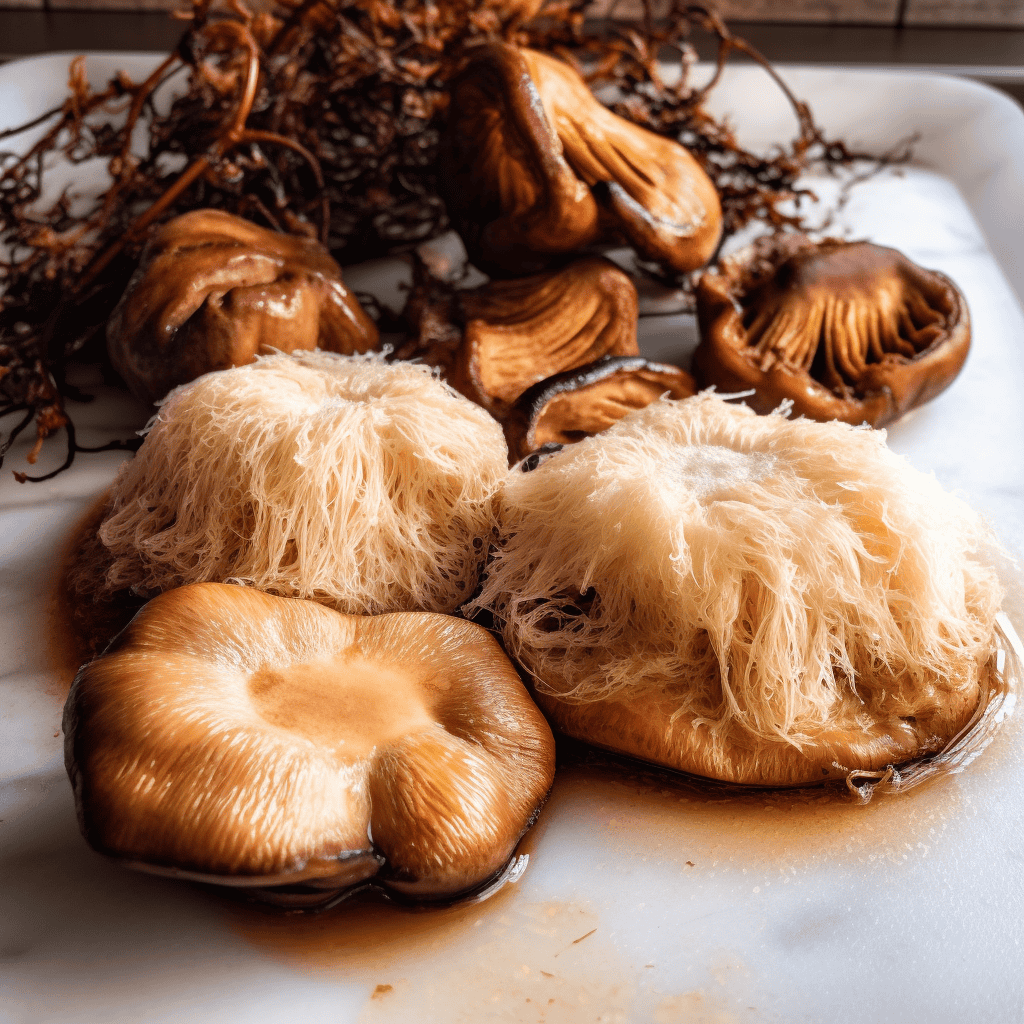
(232, 737)
(494, 342)
(214, 290)
(843, 330)
(579, 403)
(750, 598)
(348, 480)
(534, 167)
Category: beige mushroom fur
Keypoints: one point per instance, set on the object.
(753, 598)
(360, 484)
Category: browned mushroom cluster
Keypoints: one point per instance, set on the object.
(214, 290)
(842, 330)
(293, 690)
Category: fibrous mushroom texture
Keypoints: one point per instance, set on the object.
(214, 290)
(750, 598)
(344, 479)
(842, 330)
(579, 403)
(534, 167)
(233, 737)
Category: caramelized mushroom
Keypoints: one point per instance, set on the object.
(506, 335)
(533, 166)
(214, 290)
(345, 479)
(232, 737)
(843, 330)
(582, 402)
(751, 598)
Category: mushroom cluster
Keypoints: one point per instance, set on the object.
(749, 597)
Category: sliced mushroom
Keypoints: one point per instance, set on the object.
(232, 737)
(582, 402)
(214, 290)
(533, 167)
(843, 330)
(752, 598)
(361, 484)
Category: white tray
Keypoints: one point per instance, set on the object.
(644, 900)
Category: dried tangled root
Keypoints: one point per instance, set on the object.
(356, 483)
(757, 599)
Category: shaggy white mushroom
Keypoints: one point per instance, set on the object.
(751, 598)
(361, 484)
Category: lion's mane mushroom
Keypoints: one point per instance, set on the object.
(750, 598)
(506, 335)
(214, 290)
(534, 167)
(357, 483)
(232, 737)
(579, 403)
(844, 330)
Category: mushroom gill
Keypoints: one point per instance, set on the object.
(364, 485)
(842, 330)
(533, 167)
(750, 598)
(214, 290)
(505, 336)
(579, 403)
(232, 737)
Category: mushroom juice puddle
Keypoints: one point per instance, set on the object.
(630, 813)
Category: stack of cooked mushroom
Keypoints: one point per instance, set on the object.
(300, 705)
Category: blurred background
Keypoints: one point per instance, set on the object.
(981, 39)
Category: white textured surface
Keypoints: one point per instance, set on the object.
(743, 910)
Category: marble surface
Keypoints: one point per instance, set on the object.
(645, 900)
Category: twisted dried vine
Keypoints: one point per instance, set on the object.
(320, 117)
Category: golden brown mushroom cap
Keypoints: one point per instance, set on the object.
(750, 598)
(843, 330)
(214, 290)
(248, 740)
(534, 167)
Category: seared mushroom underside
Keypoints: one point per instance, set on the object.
(494, 342)
(251, 741)
(842, 330)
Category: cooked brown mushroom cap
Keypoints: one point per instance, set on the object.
(250, 740)
(750, 598)
(361, 484)
(570, 406)
(518, 332)
(843, 330)
(534, 167)
(214, 290)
